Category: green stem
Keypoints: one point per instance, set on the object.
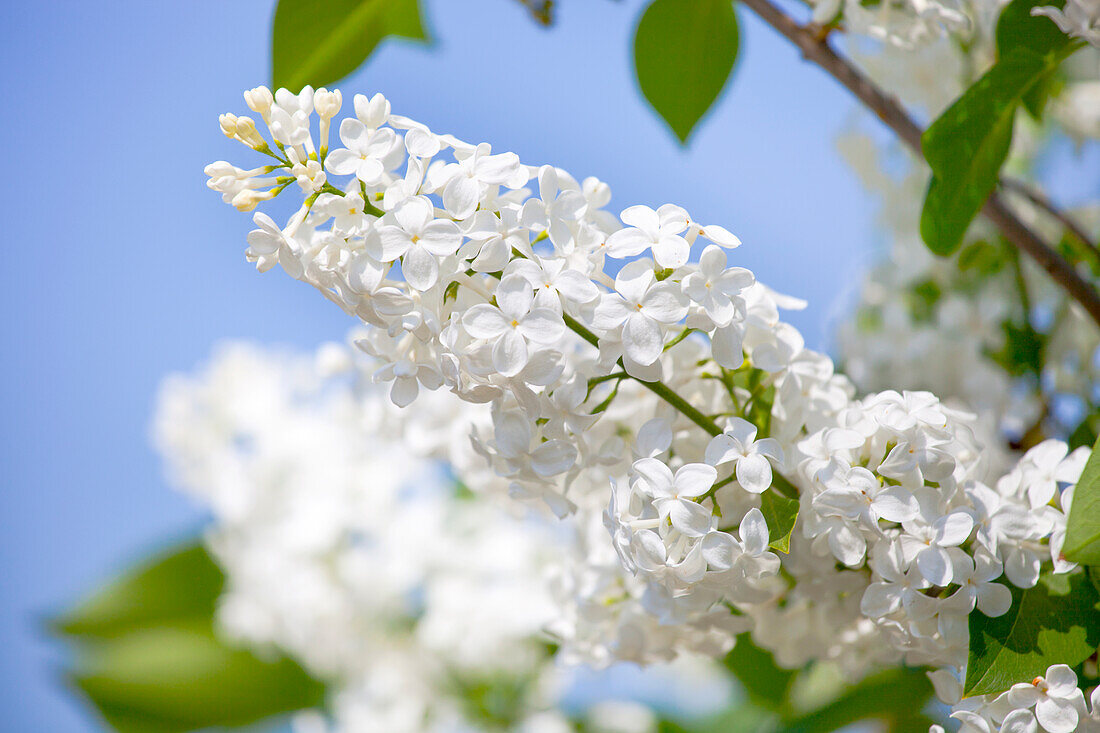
(658, 388)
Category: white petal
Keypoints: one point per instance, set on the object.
(543, 326)
(576, 287)
(656, 475)
(441, 238)
(726, 348)
(994, 599)
(642, 217)
(721, 236)
(460, 196)
(693, 479)
(483, 321)
(553, 457)
(879, 600)
(722, 449)
(510, 353)
(642, 339)
(413, 214)
(1019, 721)
(654, 437)
(895, 504)
(1061, 680)
(664, 303)
(404, 391)
(393, 241)
(720, 550)
(420, 268)
(690, 518)
(935, 565)
(514, 296)
(1057, 716)
(754, 473)
(754, 532)
(671, 251)
(953, 529)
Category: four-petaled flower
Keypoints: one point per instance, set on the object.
(512, 323)
(738, 443)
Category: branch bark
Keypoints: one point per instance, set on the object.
(1044, 203)
(815, 47)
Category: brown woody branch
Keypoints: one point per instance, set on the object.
(814, 45)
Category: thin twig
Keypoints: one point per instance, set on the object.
(1043, 202)
(815, 47)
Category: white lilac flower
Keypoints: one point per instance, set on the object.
(658, 231)
(642, 306)
(418, 239)
(673, 495)
(1057, 700)
(738, 443)
(512, 323)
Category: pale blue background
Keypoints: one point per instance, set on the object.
(120, 266)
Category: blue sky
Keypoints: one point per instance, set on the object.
(121, 266)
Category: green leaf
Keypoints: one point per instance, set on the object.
(318, 43)
(780, 513)
(1082, 543)
(149, 659)
(1023, 349)
(169, 679)
(1056, 622)
(766, 683)
(893, 696)
(1017, 27)
(684, 51)
(181, 585)
(968, 144)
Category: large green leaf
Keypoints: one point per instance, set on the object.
(166, 678)
(780, 513)
(684, 51)
(182, 585)
(968, 144)
(1056, 622)
(1083, 525)
(318, 43)
(149, 659)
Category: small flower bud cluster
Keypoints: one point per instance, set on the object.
(676, 384)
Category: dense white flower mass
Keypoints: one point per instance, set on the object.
(350, 541)
(662, 408)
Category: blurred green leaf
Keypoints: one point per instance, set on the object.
(1023, 349)
(148, 656)
(969, 142)
(743, 718)
(1056, 622)
(684, 51)
(318, 43)
(894, 696)
(781, 514)
(1017, 27)
(179, 586)
(1082, 543)
(168, 678)
(766, 683)
(984, 258)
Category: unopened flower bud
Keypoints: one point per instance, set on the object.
(228, 123)
(327, 103)
(247, 200)
(259, 100)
